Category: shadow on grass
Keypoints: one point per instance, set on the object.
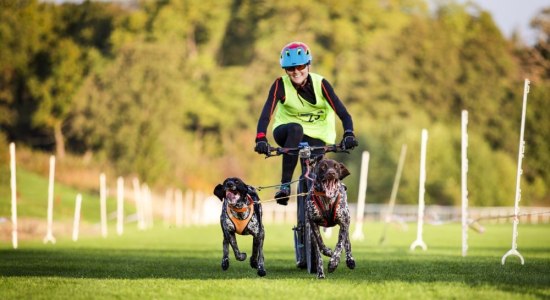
(532, 278)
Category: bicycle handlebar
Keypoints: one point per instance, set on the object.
(306, 151)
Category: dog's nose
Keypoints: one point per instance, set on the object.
(331, 173)
(231, 185)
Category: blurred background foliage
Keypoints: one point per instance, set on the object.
(170, 91)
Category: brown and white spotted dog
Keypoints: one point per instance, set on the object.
(327, 206)
(241, 214)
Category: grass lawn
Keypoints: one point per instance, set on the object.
(184, 263)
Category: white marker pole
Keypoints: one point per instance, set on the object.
(179, 208)
(421, 190)
(76, 222)
(521, 152)
(49, 235)
(464, 182)
(393, 195)
(147, 206)
(188, 218)
(150, 210)
(144, 205)
(358, 234)
(13, 197)
(120, 205)
(103, 203)
(139, 203)
(168, 206)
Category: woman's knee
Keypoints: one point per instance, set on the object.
(288, 135)
(295, 130)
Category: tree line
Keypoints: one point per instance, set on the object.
(170, 91)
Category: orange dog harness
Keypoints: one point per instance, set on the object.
(241, 216)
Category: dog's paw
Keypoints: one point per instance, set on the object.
(320, 275)
(241, 256)
(261, 272)
(350, 263)
(225, 263)
(332, 265)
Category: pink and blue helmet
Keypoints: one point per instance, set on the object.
(295, 54)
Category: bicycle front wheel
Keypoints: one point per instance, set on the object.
(299, 229)
(310, 252)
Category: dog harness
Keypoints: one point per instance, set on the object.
(241, 216)
(328, 212)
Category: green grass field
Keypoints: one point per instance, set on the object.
(184, 263)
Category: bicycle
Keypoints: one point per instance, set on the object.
(309, 156)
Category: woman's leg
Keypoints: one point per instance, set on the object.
(289, 136)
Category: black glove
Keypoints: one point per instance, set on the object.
(349, 141)
(262, 146)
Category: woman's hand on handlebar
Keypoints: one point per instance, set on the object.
(262, 146)
(349, 141)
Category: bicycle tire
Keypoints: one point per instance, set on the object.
(308, 255)
(299, 230)
(311, 254)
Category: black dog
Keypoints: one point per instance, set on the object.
(327, 206)
(241, 214)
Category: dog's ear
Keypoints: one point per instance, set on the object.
(343, 171)
(219, 191)
(252, 192)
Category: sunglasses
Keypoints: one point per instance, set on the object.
(299, 68)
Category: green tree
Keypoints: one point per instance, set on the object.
(122, 112)
(20, 35)
(55, 90)
(45, 68)
(171, 90)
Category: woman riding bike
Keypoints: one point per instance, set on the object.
(305, 106)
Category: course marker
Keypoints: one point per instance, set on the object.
(103, 203)
(358, 233)
(464, 181)
(393, 195)
(49, 235)
(120, 205)
(76, 223)
(421, 191)
(521, 153)
(13, 197)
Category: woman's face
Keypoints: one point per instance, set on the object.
(298, 74)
